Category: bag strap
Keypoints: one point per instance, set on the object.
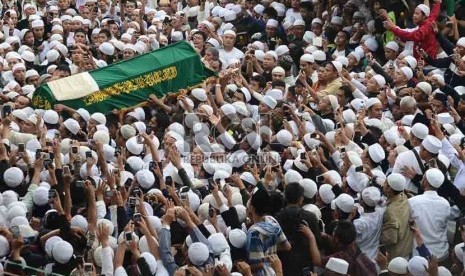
(422, 167)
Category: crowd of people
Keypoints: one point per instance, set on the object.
(330, 142)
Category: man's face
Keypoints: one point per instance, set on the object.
(229, 40)
(372, 85)
(399, 77)
(102, 38)
(38, 32)
(376, 111)
(270, 31)
(269, 61)
(130, 7)
(298, 31)
(21, 102)
(58, 74)
(63, 4)
(127, 54)
(331, 72)
(34, 80)
(324, 104)
(341, 39)
(418, 16)
(278, 76)
(389, 54)
(29, 127)
(20, 75)
(80, 38)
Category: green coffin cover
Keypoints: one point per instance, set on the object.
(126, 83)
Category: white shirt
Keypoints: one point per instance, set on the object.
(293, 15)
(449, 152)
(368, 228)
(408, 159)
(430, 212)
(228, 56)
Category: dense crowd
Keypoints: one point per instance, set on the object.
(331, 141)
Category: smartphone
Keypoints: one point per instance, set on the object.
(210, 183)
(6, 110)
(140, 139)
(47, 163)
(338, 125)
(382, 249)
(128, 183)
(21, 147)
(74, 150)
(88, 268)
(320, 178)
(80, 259)
(136, 217)
(148, 130)
(116, 171)
(95, 9)
(38, 153)
(15, 231)
(80, 183)
(342, 149)
(66, 170)
(57, 135)
(52, 193)
(218, 181)
(128, 236)
(117, 151)
(411, 223)
(168, 180)
(302, 156)
(132, 201)
(151, 165)
(88, 154)
(211, 212)
(109, 193)
(359, 169)
(314, 136)
(135, 192)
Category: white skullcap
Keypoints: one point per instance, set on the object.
(40, 197)
(396, 181)
(337, 265)
(237, 238)
(307, 58)
(218, 243)
(292, 176)
(432, 144)
(345, 203)
(269, 101)
(392, 45)
(424, 8)
(281, 50)
(272, 23)
(13, 177)
(37, 23)
(417, 266)
(145, 178)
(317, 21)
(420, 131)
(334, 102)
(336, 20)
(461, 42)
(198, 253)
(80, 222)
(380, 80)
(134, 147)
(107, 48)
(434, 177)
(72, 125)
(62, 252)
(18, 66)
(337, 65)
(411, 61)
(50, 243)
(398, 265)
(326, 193)
(99, 117)
(425, 87)
(52, 55)
(371, 196)
(371, 44)
(230, 32)
(284, 137)
(372, 101)
(278, 70)
(298, 22)
(309, 186)
(408, 73)
(376, 153)
(442, 271)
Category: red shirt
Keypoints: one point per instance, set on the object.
(423, 37)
